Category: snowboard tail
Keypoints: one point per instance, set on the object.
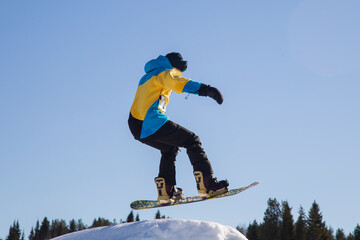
(147, 204)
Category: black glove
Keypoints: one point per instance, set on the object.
(208, 91)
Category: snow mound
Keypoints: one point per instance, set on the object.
(174, 229)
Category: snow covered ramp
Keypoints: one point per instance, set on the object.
(175, 229)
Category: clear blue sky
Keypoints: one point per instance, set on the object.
(289, 72)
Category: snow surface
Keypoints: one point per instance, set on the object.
(174, 229)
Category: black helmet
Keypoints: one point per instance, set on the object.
(177, 61)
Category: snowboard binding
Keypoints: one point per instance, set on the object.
(209, 186)
(167, 194)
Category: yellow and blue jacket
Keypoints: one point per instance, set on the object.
(153, 92)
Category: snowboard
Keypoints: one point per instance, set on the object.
(147, 204)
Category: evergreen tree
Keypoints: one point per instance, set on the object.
(14, 232)
(37, 231)
(158, 215)
(137, 218)
(328, 234)
(45, 230)
(286, 230)
(58, 228)
(300, 225)
(357, 232)
(350, 237)
(270, 228)
(340, 235)
(100, 222)
(252, 232)
(72, 226)
(130, 217)
(315, 225)
(242, 229)
(80, 225)
(32, 234)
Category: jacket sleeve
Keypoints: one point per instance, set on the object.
(174, 81)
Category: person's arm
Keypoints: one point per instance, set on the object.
(174, 81)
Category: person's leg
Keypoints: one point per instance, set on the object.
(177, 136)
(167, 160)
(168, 152)
(166, 180)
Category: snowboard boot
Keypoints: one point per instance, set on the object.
(167, 194)
(209, 186)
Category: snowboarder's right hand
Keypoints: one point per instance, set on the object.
(207, 90)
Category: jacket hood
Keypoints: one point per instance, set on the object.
(161, 62)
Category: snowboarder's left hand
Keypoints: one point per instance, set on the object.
(207, 90)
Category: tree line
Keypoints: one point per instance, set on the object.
(48, 230)
(278, 224)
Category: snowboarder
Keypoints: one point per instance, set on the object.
(150, 125)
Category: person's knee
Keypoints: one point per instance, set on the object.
(170, 153)
(193, 142)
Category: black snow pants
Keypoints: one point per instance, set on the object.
(168, 139)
